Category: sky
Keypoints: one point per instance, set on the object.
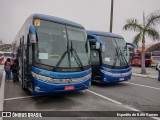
(92, 14)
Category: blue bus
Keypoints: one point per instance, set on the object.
(53, 55)
(110, 57)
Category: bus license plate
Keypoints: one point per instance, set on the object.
(121, 79)
(69, 88)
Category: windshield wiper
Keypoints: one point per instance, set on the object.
(122, 55)
(76, 57)
(119, 55)
(72, 50)
(60, 60)
(116, 57)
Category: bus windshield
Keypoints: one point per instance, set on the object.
(116, 52)
(54, 44)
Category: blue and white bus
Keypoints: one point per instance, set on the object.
(53, 55)
(110, 57)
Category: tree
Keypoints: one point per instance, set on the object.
(147, 28)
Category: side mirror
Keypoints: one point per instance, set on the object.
(97, 45)
(133, 45)
(32, 34)
(135, 50)
(32, 38)
(95, 39)
(87, 46)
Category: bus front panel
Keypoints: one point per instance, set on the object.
(109, 75)
(46, 82)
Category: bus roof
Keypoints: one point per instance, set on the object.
(103, 34)
(55, 19)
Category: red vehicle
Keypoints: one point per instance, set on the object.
(1, 58)
(155, 56)
(5, 55)
(136, 59)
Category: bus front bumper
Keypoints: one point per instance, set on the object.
(41, 87)
(108, 75)
(106, 79)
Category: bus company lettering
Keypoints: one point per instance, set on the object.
(124, 115)
(34, 115)
(15, 114)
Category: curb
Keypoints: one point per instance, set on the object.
(2, 93)
(145, 76)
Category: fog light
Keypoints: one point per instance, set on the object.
(105, 79)
(37, 88)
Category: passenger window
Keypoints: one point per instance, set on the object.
(30, 54)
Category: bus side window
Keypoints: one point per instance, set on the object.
(30, 54)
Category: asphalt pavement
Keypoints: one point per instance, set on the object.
(149, 70)
(1, 73)
(142, 94)
(139, 97)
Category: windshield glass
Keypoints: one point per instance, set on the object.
(77, 38)
(54, 44)
(116, 52)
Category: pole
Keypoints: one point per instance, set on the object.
(111, 16)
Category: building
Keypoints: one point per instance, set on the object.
(6, 47)
(154, 49)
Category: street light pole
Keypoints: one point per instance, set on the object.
(111, 16)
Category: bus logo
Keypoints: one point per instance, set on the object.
(37, 22)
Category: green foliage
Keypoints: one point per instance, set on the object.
(147, 28)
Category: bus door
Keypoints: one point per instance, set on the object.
(29, 57)
(95, 60)
(22, 63)
(20, 60)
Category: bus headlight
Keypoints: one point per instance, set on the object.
(116, 74)
(44, 78)
(36, 88)
(106, 72)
